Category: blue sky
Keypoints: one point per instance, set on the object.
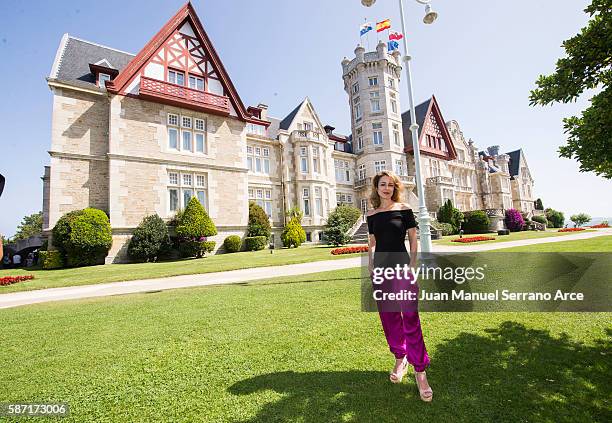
(480, 59)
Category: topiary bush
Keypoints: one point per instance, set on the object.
(51, 259)
(539, 219)
(293, 234)
(340, 220)
(83, 237)
(232, 244)
(259, 223)
(451, 215)
(476, 222)
(150, 240)
(192, 229)
(255, 243)
(514, 220)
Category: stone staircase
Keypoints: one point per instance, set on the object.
(360, 236)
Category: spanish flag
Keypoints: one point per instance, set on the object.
(381, 26)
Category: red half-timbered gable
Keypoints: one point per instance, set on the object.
(179, 66)
(434, 138)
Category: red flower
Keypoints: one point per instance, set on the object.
(473, 239)
(570, 230)
(350, 250)
(7, 280)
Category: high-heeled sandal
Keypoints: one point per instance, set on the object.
(397, 377)
(426, 394)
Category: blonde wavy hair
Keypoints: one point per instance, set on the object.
(397, 190)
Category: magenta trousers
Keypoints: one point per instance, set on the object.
(403, 331)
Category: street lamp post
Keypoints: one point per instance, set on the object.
(424, 219)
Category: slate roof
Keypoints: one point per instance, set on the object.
(286, 122)
(74, 55)
(515, 161)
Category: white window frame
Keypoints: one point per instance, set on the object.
(173, 77)
(196, 79)
(380, 165)
(373, 81)
(101, 78)
(377, 138)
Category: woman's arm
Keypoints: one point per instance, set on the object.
(371, 249)
(412, 240)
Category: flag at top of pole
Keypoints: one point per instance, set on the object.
(365, 28)
(393, 35)
(392, 45)
(381, 26)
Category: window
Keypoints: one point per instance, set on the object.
(186, 141)
(173, 119)
(362, 171)
(173, 138)
(258, 159)
(356, 100)
(196, 83)
(255, 129)
(102, 77)
(356, 87)
(393, 106)
(373, 81)
(377, 125)
(396, 137)
(306, 200)
(200, 142)
(380, 165)
(308, 237)
(308, 126)
(318, 202)
(357, 111)
(176, 77)
(343, 173)
(375, 101)
(186, 122)
(391, 82)
(199, 125)
(180, 194)
(399, 167)
(377, 137)
(263, 198)
(359, 133)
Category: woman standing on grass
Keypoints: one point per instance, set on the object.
(388, 223)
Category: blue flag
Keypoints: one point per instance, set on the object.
(392, 45)
(363, 29)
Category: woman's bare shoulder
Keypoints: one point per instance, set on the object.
(405, 206)
(371, 212)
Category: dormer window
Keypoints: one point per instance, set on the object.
(176, 77)
(102, 78)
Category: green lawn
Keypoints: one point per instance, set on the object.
(127, 272)
(297, 349)
(591, 245)
(514, 236)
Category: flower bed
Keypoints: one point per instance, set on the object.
(473, 239)
(350, 250)
(8, 280)
(570, 230)
(600, 226)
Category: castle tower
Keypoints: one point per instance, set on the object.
(371, 80)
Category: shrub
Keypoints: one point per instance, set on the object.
(555, 219)
(339, 222)
(580, 219)
(451, 215)
(150, 239)
(232, 244)
(514, 220)
(476, 222)
(446, 228)
(538, 205)
(539, 219)
(51, 259)
(293, 234)
(192, 228)
(255, 243)
(83, 236)
(259, 223)
(195, 248)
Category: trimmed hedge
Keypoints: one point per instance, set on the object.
(195, 248)
(451, 215)
(150, 239)
(255, 243)
(51, 259)
(192, 228)
(476, 222)
(446, 228)
(293, 234)
(83, 237)
(259, 224)
(539, 219)
(232, 244)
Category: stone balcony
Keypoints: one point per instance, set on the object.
(439, 180)
(177, 95)
(307, 135)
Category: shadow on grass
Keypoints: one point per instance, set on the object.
(511, 374)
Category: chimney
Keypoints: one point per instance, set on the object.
(264, 111)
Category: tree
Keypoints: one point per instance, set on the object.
(340, 220)
(451, 215)
(259, 223)
(586, 66)
(30, 225)
(580, 219)
(150, 239)
(555, 218)
(192, 229)
(538, 204)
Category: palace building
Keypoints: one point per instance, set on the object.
(140, 134)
